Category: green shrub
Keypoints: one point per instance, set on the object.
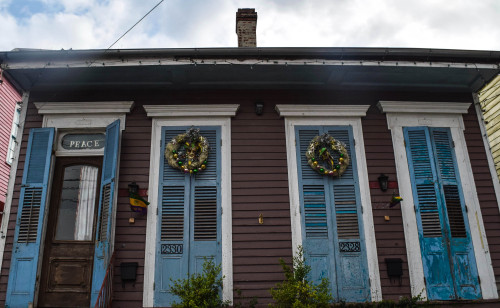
(200, 290)
(296, 291)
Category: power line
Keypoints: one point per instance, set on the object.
(135, 24)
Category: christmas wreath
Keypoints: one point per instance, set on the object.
(327, 156)
(188, 152)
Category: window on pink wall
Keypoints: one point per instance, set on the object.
(13, 133)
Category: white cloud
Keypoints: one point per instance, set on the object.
(88, 24)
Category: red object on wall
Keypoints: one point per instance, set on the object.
(390, 185)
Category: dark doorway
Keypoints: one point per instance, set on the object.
(66, 276)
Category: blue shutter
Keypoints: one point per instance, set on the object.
(463, 261)
(30, 217)
(332, 231)
(102, 253)
(441, 221)
(350, 249)
(188, 217)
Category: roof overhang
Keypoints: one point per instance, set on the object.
(256, 68)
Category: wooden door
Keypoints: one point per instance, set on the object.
(66, 275)
(189, 226)
(332, 225)
(446, 246)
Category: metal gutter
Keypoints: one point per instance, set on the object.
(332, 53)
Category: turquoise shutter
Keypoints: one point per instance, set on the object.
(102, 253)
(463, 261)
(189, 211)
(30, 217)
(443, 231)
(332, 233)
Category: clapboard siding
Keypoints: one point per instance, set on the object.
(260, 184)
(389, 234)
(8, 99)
(489, 98)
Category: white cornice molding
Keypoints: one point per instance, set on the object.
(322, 110)
(84, 107)
(423, 107)
(219, 110)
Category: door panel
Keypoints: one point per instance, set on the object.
(332, 229)
(188, 217)
(66, 275)
(446, 247)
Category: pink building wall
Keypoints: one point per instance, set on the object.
(8, 99)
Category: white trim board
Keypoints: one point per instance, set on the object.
(224, 122)
(355, 122)
(399, 118)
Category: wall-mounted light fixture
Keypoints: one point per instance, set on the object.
(383, 181)
(133, 188)
(259, 108)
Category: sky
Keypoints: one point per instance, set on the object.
(96, 24)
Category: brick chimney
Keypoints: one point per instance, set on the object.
(246, 27)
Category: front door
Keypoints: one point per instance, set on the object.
(66, 275)
(332, 225)
(189, 228)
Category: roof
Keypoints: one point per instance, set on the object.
(256, 68)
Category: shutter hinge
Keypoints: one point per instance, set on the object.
(156, 211)
(404, 143)
(362, 210)
(154, 286)
(425, 281)
(221, 142)
(370, 282)
(415, 208)
(466, 209)
(295, 141)
(479, 279)
(354, 141)
(453, 144)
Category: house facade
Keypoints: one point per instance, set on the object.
(9, 121)
(97, 122)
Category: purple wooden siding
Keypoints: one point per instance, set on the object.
(260, 185)
(389, 234)
(8, 99)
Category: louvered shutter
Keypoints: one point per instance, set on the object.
(331, 220)
(31, 211)
(205, 231)
(102, 253)
(440, 215)
(463, 261)
(352, 265)
(188, 216)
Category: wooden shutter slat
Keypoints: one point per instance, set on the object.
(346, 211)
(205, 214)
(455, 213)
(172, 211)
(315, 211)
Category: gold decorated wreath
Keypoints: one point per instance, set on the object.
(327, 156)
(188, 152)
